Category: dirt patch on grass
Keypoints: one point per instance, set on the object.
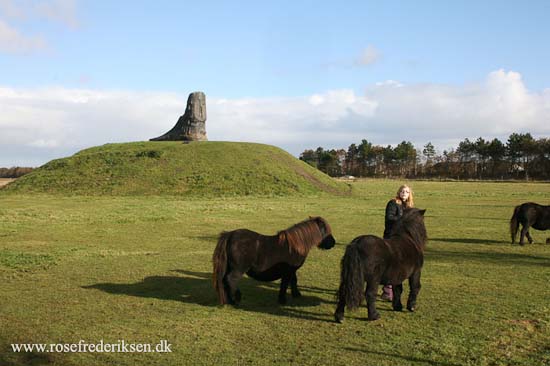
(4, 181)
(313, 180)
(317, 183)
(522, 342)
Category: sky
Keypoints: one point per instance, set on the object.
(295, 74)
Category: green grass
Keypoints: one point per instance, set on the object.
(198, 169)
(138, 268)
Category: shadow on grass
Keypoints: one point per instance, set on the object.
(318, 290)
(196, 288)
(404, 358)
(477, 218)
(489, 257)
(10, 358)
(208, 238)
(470, 241)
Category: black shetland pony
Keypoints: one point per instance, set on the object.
(266, 258)
(529, 215)
(376, 261)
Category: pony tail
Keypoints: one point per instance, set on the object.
(514, 224)
(351, 278)
(219, 261)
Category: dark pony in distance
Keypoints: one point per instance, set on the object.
(529, 214)
(376, 261)
(266, 258)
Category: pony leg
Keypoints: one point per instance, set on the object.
(524, 231)
(370, 294)
(294, 285)
(285, 280)
(396, 302)
(529, 237)
(339, 313)
(234, 294)
(414, 285)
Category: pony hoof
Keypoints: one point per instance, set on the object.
(338, 318)
(373, 317)
(411, 308)
(398, 308)
(296, 294)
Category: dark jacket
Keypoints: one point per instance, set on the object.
(394, 211)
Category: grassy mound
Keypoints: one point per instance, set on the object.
(172, 168)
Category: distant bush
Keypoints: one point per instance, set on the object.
(55, 164)
(14, 172)
(154, 154)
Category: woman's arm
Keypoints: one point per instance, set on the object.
(392, 211)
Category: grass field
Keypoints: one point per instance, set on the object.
(138, 269)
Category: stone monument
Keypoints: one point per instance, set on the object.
(190, 126)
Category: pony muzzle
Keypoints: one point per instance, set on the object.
(327, 242)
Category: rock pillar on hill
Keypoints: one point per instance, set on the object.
(192, 125)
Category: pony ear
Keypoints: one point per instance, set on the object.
(422, 212)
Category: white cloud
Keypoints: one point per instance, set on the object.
(316, 99)
(44, 143)
(15, 40)
(61, 11)
(368, 56)
(57, 11)
(37, 125)
(393, 83)
(12, 41)
(11, 9)
(496, 107)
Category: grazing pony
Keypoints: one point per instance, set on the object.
(528, 215)
(266, 258)
(376, 261)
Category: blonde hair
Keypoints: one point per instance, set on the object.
(410, 200)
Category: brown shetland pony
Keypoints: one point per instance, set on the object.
(266, 258)
(377, 261)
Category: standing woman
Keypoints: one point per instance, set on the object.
(394, 211)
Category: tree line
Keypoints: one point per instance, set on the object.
(520, 157)
(14, 172)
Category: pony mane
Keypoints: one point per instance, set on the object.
(411, 226)
(304, 235)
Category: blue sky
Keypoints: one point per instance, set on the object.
(296, 74)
